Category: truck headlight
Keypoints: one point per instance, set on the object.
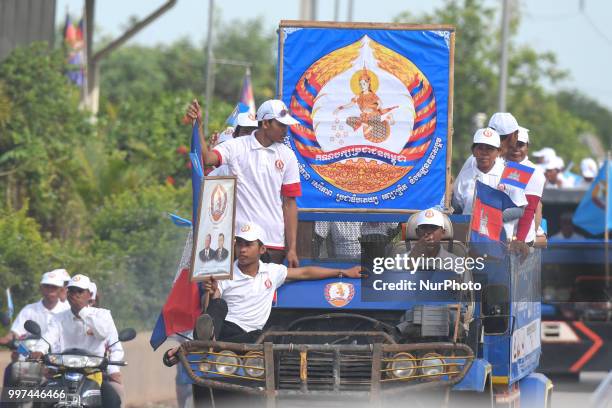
(404, 367)
(254, 359)
(226, 362)
(432, 364)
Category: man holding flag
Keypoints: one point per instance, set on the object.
(520, 172)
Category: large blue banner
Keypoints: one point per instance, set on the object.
(373, 107)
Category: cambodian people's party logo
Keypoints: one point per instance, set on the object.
(218, 204)
(339, 294)
(367, 116)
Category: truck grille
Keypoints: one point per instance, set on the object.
(326, 371)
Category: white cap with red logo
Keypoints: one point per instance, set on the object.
(430, 216)
(275, 109)
(80, 281)
(246, 119)
(250, 232)
(53, 278)
(487, 136)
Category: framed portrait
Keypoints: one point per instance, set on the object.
(213, 249)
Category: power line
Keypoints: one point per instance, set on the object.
(595, 28)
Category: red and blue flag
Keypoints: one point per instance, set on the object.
(516, 174)
(182, 306)
(246, 94)
(486, 229)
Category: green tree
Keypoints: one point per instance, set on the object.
(43, 127)
(589, 110)
(141, 249)
(24, 255)
(476, 80)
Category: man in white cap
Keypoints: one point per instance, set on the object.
(88, 328)
(552, 170)
(268, 179)
(543, 156)
(588, 169)
(51, 285)
(239, 308)
(525, 228)
(506, 127)
(246, 123)
(429, 231)
(486, 168)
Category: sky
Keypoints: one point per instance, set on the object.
(580, 39)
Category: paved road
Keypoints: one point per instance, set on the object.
(576, 393)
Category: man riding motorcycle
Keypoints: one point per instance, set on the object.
(87, 328)
(42, 312)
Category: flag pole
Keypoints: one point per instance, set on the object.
(469, 230)
(607, 220)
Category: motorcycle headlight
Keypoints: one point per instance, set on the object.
(226, 362)
(432, 364)
(55, 359)
(93, 362)
(402, 368)
(254, 359)
(74, 361)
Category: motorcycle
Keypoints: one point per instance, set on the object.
(78, 378)
(25, 372)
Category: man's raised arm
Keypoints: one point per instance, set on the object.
(194, 113)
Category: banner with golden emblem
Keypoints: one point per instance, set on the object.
(374, 102)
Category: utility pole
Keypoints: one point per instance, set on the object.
(93, 59)
(336, 10)
(209, 66)
(503, 60)
(308, 10)
(351, 7)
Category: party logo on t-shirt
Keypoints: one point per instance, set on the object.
(339, 294)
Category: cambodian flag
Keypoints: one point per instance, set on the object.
(487, 219)
(182, 306)
(594, 213)
(246, 94)
(516, 174)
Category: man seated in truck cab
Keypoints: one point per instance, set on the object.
(239, 308)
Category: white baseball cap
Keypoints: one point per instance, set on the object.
(275, 109)
(93, 288)
(80, 281)
(487, 136)
(503, 123)
(523, 134)
(430, 216)
(546, 153)
(250, 232)
(554, 163)
(53, 278)
(588, 168)
(246, 119)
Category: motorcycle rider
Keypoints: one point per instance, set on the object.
(51, 286)
(88, 328)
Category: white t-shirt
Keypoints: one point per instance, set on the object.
(535, 187)
(264, 175)
(93, 330)
(463, 190)
(38, 313)
(249, 299)
(222, 170)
